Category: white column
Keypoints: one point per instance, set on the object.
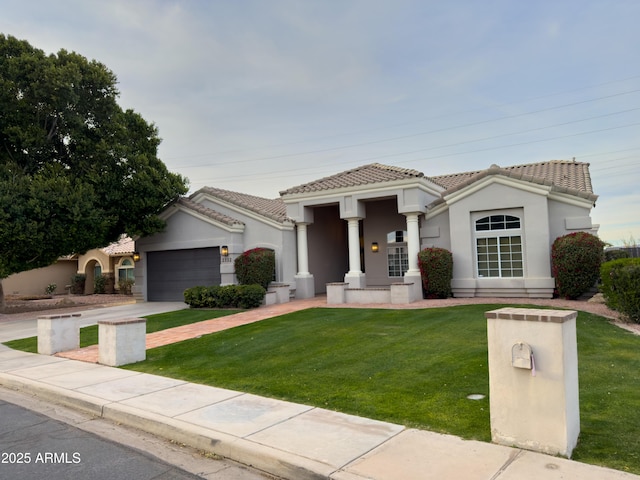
(354, 277)
(304, 281)
(413, 242)
(353, 230)
(303, 249)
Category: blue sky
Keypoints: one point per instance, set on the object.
(258, 96)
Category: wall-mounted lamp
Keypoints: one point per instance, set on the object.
(224, 251)
(136, 256)
(374, 247)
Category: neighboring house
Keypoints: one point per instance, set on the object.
(115, 259)
(366, 226)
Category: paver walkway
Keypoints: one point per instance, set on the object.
(193, 330)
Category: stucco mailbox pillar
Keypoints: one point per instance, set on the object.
(122, 341)
(533, 379)
(58, 333)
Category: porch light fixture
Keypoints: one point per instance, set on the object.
(374, 247)
(224, 251)
(136, 256)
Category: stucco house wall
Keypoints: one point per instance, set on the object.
(435, 231)
(382, 218)
(204, 222)
(327, 240)
(527, 204)
(322, 231)
(566, 218)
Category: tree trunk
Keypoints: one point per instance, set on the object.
(2, 304)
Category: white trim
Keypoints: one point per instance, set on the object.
(571, 199)
(173, 209)
(286, 225)
(369, 188)
(498, 234)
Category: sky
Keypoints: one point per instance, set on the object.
(259, 96)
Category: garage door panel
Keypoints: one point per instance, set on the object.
(171, 272)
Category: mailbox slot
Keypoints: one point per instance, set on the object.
(522, 356)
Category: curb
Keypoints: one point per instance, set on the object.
(260, 457)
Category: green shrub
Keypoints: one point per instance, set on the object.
(228, 296)
(436, 269)
(125, 286)
(193, 296)
(256, 266)
(77, 283)
(50, 288)
(99, 283)
(250, 296)
(621, 286)
(615, 254)
(576, 260)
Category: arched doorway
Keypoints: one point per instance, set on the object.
(92, 270)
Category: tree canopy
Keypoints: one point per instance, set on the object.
(76, 170)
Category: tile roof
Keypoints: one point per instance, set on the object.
(123, 246)
(364, 175)
(274, 209)
(208, 212)
(561, 173)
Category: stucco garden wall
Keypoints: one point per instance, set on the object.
(34, 282)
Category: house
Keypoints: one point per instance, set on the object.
(364, 228)
(114, 261)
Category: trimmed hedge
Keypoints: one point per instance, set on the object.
(576, 260)
(256, 266)
(228, 296)
(436, 270)
(621, 286)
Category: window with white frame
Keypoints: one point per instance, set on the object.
(125, 271)
(499, 246)
(397, 256)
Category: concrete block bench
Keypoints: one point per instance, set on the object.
(58, 333)
(282, 291)
(122, 341)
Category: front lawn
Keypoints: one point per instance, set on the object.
(412, 367)
(155, 323)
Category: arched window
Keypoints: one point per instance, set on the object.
(126, 270)
(499, 246)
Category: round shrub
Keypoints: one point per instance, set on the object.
(436, 270)
(621, 286)
(576, 260)
(256, 267)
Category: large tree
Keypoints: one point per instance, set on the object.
(76, 170)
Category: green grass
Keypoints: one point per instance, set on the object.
(412, 367)
(155, 323)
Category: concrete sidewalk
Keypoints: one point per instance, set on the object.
(284, 439)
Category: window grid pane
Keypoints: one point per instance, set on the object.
(398, 261)
(497, 222)
(500, 256)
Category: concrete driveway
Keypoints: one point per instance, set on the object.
(13, 330)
